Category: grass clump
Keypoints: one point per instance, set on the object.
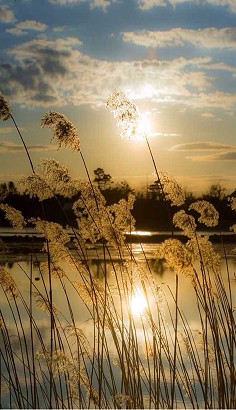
(119, 338)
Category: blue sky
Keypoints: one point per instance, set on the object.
(174, 58)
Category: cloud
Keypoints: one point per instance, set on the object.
(145, 4)
(44, 72)
(164, 134)
(23, 26)
(228, 3)
(201, 146)
(103, 4)
(9, 147)
(215, 100)
(6, 130)
(221, 66)
(223, 152)
(207, 115)
(64, 2)
(210, 37)
(148, 4)
(6, 15)
(35, 77)
(224, 156)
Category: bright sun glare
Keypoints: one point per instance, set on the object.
(144, 125)
(138, 302)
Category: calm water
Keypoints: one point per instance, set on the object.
(25, 265)
(22, 265)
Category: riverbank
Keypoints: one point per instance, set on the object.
(20, 242)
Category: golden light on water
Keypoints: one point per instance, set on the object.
(138, 303)
(140, 233)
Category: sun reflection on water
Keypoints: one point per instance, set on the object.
(138, 302)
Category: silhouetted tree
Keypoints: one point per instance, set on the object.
(149, 211)
(154, 191)
(124, 188)
(6, 189)
(216, 191)
(3, 191)
(103, 180)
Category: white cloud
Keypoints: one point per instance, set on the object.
(40, 47)
(148, 4)
(215, 99)
(231, 4)
(23, 26)
(46, 72)
(64, 2)
(205, 38)
(164, 134)
(103, 4)
(6, 15)
(221, 66)
(59, 29)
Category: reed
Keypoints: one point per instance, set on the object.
(120, 340)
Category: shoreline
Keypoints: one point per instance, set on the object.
(21, 248)
(36, 241)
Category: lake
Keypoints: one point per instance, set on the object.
(28, 332)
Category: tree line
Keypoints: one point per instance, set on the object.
(149, 208)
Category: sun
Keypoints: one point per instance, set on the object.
(138, 302)
(141, 129)
(144, 124)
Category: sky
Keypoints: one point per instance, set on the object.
(175, 59)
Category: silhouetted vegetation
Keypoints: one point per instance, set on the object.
(149, 208)
(120, 336)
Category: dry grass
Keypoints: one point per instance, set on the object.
(121, 340)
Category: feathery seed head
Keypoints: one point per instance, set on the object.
(44, 304)
(233, 228)
(185, 222)
(208, 214)
(8, 283)
(127, 114)
(63, 130)
(58, 177)
(233, 203)
(51, 179)
(172, 189)
(5, 109)
(36, 186)
(203, 250)
(176, 255)
(14, 216)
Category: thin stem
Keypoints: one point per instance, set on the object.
(160, 183)
(23, 142)
(175, 342)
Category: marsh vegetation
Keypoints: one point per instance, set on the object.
(124, 337)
